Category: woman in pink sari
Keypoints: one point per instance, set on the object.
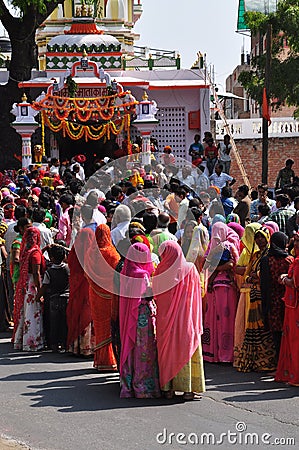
(218, 336)
(138, 358)
(177, 292)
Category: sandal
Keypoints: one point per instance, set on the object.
(188, 396)
(168, 395)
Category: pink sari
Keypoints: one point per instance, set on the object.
(218, 336)
(177, 292)
(137, 268)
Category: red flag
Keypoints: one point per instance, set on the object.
(265, 107)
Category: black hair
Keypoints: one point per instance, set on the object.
(163, 220)
(150, 221)
(226, 192)
(75, 187)
(44, 200)
(244, 189)
(196, 212)
(264, 210)
(263, 186)
(67, 198)
(57, 253)
(38, 215)
(131, 190)
(20, 211)
(289, 161)
(22, 222)
(283, 199)
(115, 190)
(148, 184)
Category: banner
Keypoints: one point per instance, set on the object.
(263, 6)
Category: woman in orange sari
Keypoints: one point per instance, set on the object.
(101, 262)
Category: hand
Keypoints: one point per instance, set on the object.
(282, 278)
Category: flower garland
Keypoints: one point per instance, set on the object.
(84, 109)
(77, 131)
(43, 132)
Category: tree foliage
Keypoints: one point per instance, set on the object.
(284, 78)
(21, 19)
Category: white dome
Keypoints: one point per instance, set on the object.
(83, 39)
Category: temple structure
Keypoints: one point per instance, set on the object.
(87, 55)
(115, 17)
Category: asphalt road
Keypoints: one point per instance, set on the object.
(58, 402)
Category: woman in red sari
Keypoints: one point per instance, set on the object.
(101, 262)
(288, 363)
(80, 339)
(28, 323)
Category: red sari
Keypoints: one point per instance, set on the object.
(79, 318)
(101, 262)
(288, 363)
(28, 324)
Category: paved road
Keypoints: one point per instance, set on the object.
(58, 402)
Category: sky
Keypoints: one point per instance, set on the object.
(190, 26)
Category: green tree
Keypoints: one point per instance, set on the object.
(284, 79)
(21, 28)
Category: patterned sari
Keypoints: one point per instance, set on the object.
(138, 359)
(257, 352)
(28, 323)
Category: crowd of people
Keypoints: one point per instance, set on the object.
(151, 270)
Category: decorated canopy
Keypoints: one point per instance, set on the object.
(91, 118)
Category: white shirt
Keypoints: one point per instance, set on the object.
(223, 156)
(54, 170)
(119, 232)
(98, 217)
(183, 209)
(221, 180)
(81, 174)
(45, 236)
(10, 236)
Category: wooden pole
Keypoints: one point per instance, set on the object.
(265, 142)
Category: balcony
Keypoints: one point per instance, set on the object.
(281, 127)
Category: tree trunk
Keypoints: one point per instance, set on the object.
(23, 59)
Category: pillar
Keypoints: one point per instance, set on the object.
(26, 150)
(145, 154)
(54, 150)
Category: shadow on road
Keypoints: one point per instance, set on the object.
(82, 388)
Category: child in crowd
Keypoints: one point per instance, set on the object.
(56, 289)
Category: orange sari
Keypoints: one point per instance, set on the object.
(102, 260)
